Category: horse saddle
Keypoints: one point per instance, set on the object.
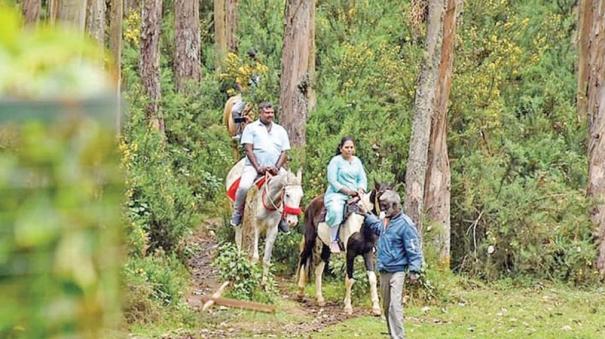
(350, 207)
(235, 185)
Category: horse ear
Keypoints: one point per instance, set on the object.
(299, 175)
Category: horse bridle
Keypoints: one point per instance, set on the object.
(274, 207)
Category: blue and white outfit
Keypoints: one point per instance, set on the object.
(342, 173)
(267, 147)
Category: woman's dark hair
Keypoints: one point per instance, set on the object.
(342, 142)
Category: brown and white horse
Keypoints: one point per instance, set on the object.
(278, 198)
(358, 240)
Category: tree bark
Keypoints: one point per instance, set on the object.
(95, 20)
(423, 111)
(149, 63)
(231, 20)
(31, 11)
(585, 13)
(115, 46)
(438, 178)
(187, 36)
(220, 32)
(225, 27)
(132, 5)
(72, 13)
(52, 8)
(298, 68)
(596, 126)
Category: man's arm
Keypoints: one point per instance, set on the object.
(249, 148)
(413, 249)
(280, 161)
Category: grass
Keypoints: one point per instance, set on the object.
(499, 310)
(493, 312)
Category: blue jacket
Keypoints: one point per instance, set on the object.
(398, 245)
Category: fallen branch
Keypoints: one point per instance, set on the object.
(249, 305)
(216, 295)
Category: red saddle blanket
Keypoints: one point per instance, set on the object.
(235, 185)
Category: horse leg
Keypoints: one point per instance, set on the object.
(319, 270)
(369, 263)
(255, 255)
(351, 254)
(238, 237)
(269, 241)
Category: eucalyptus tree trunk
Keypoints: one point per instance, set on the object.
(298, 68)
(438, 178)
(187, 36)
(225, 27)
(72, 13)
(115, 46)
(220, 31)
(95, 20)
(231, 20)
(423, 111)
(149, 63)
(52, 8)
(31, 11)
(585, 13)
(596, 125)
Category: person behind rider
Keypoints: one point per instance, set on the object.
(239, 104)
(398, 250)
(265, 144)
(346, 179)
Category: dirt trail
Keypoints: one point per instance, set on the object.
(303, 318)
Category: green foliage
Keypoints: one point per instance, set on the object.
(60, 238)
(246, 277)
(286, 252)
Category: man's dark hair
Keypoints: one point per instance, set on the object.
(264, 105)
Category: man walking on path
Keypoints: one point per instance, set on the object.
(398, 250)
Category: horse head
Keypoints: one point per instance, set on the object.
(284, 191)
(293, 194)
(379, 189)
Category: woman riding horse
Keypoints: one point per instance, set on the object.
(346, 179)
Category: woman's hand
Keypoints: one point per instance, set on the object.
(348, 192)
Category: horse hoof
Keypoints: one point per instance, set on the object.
(321, 303)
(376, 311)
(300, 296)
(349, 310)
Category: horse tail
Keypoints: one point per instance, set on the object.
(310, 237)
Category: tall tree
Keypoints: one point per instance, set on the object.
(231, 20)
(31, 11)
(95, 20)
(225, 27)
(438, 177)
(298, 68)
(115, 46)
(596, 122)
(149, 63)
(187, 36)
(423, 111)
(72, 13)
(585, 14)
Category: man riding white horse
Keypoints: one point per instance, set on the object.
(265, 144)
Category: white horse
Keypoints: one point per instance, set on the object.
(279, 198)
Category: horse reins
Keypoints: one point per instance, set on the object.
(287, 209)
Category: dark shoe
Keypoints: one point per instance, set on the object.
(236, 219)
(283, 226)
